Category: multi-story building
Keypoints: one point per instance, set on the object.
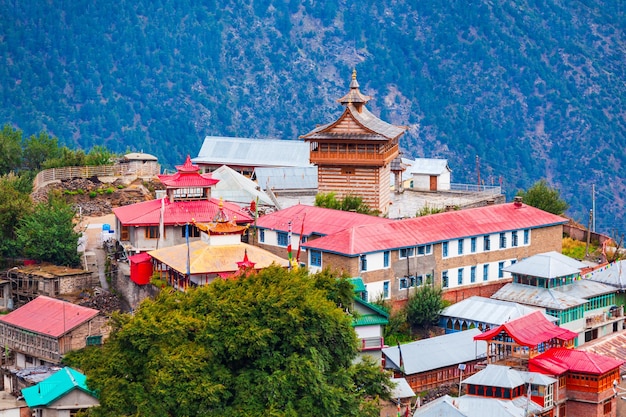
(465, 251)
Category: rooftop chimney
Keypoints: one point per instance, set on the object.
(517, 201)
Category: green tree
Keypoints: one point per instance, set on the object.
(10, 149)
(47, 233)
(15, 203)
(38, 149)
(99, 155)
(424, 307)
(348, 203)
(67, 158)
(544, 197)
(269, 344)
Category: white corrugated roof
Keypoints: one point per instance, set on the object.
(613, 274)
(541, 297)
(287, 178)
(237, 188)
(402, 389)
(488, 310)
(426, 166)
(253, 152)
(547, 265)
(436, 352)
(507, 377)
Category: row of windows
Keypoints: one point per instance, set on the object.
(474, 271)
(152, 232)
(486, 241)
(415, 251)
(414, 281)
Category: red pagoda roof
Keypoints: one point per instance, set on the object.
(435, 228)
(530, 330)
(49, 316)
(148, 213)
(557, 361)
(188, 175)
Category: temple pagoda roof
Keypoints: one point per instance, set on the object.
(187, 175)
(364, 125)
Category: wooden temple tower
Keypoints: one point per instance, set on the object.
(353, 154)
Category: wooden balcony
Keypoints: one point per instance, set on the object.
(353, 157)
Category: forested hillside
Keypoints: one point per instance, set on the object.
(535, 89)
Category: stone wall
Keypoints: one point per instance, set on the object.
(130, 293)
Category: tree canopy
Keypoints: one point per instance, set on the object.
(269, 344)
(424, 307)
(348, 203)
(544, 197)
(47, 233)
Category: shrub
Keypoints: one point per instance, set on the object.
(92, 194)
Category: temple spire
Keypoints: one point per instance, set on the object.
(354, 96)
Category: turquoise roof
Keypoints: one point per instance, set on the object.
(358, 284)
(54, 387)
(378, 315)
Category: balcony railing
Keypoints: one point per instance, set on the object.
(353, 156)
(475, 188)
(606, 317)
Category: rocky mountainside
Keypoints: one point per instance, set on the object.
(528, 89)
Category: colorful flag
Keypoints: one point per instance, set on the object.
(289, 256)
(300, 240)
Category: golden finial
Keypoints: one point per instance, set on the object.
(354, 73)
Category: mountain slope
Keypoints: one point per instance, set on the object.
(534, 89)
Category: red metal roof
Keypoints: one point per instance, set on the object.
(49, 316)
(148, 213)
(318, 220)
(529, 330)
(187, 175)
(559, 360)
(435, 228)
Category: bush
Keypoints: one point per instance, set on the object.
(92, 194)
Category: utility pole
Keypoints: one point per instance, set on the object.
(478, 171)
(593, 206)
(588, 233)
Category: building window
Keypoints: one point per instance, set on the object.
(473, 274)
(485, 272)
(94, 340)
(460, 246)
(386, 259)
(386, 290)
(316, 258)
(193, 231)
(502, 240)
(406, 252)
(152, 232)
(607, 407)
(514, 238)
(404, 283)
(421, 250)
(283, 238)
(460, 276)
(262, 235)
(444, 279)
(444, 249)
(429, 249)
(500, 269)
(526, 236)
(473, 245)
(363, 262)
(419, 280)
(487, 243)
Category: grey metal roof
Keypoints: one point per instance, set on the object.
(488, 310)
(436, 352)
(402, 389)
(547, 265)
(139, 156)
(253, 152)
(507, 377)
(287, 178)
(237, 188)
(585, 288)
(426, 166)
(539, 297)
(475, 406)
(613, 274)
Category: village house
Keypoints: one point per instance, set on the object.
(465, 252)
(42, 331)
(430, 363)
(244, 155)
(63, 394)
(219, 253)
(368, 323)
(553, 282)
(482, 313)
(30, 281)
(169, 221)
(613, 274)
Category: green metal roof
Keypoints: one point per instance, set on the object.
(358, 284)
(54, 387)
(369, 320)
